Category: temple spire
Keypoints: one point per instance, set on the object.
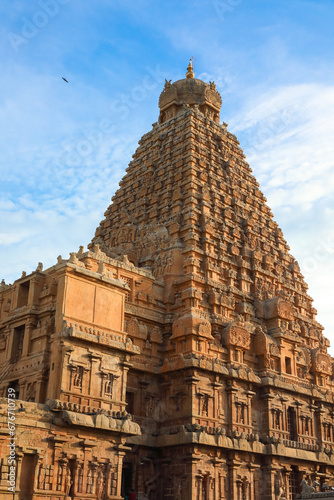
(190, 72)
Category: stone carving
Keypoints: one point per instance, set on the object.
(100, 484)
(280, 493)
(41, 477)
(237, 335)
(151, 476)
(321, 363)
(68, 481)
(306, 488)
(213, 346)
(89, 485)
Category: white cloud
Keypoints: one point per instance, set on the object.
(288, 136)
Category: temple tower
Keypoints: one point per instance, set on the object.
(179, 355)
(227, 331)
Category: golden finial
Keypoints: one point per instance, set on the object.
(190, 72)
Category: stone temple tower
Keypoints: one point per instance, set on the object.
(180, 355)
(233, 375)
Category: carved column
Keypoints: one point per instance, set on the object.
(120, 456)
(212, 488)
(298, 421)
(216, 386)
(93, 358)
(79, 477)
(37, 474)
(8, 333)
(221, 486)
(39, 392)
(126, 366)
(29, 326)
(319, 412)
(232, 417)
(250, 394)
(199, 487)
(266, 413)
(252, 489)
(232, 480)
(269, 482)
(19, 458)
(23, 389)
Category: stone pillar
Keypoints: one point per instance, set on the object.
(37, 470)
(221, 486)
(94, 467)
(126, 366)
(250, 394)
(232, 480)
(40, 392)
(216, 398)
(253, 490)
(19, 457)
(198, 487)
(33, 289)
(109, 479)
(298, 421)
(92, 373)
(8, 332)
(319, 423)
(266, 413)
(232, 417)
(239, 489)
(81, 477)
(29, 326)
(269, 482)
(23, 389)
(78, 469)
(120, 456)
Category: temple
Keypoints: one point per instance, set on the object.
(179, 355)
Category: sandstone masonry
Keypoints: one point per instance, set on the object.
(180, 354)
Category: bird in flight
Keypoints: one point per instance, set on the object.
(64, 79)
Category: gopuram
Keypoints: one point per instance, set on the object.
(179, 356)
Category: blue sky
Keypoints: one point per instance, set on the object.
(64, 147)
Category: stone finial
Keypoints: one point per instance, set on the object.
(190, 72)
(39, 268)
(24, 274)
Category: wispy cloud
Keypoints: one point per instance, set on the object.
(294, 163)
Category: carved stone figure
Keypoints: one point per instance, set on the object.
(100, 485)
(306, 488)
(280, 487)
(68, 481)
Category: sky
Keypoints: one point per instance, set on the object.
(65, 146)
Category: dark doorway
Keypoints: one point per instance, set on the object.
(27, 476)
(126, 478)
(292, 424)
(17, 344)
(130, 397)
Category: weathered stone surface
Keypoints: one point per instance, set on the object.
(182, 348)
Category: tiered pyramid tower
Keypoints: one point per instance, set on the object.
(234, 373)
(180, 355)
